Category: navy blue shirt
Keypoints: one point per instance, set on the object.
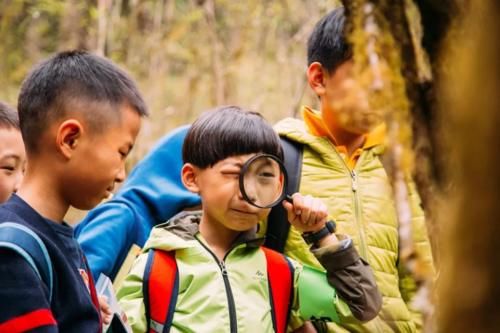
(67, 236)
(24, 297)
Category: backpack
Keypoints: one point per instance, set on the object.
(161, 288)
(27, 243)
(277, 231)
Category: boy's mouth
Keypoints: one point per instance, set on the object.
(109, 192)
(245, 212)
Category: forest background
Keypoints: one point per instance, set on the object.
(186, 55)
(191, 55)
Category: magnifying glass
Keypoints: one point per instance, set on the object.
(263, 181)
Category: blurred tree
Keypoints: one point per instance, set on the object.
(469, 285)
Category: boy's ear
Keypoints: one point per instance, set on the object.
(189, 174)
(316, 78)
(68, 134)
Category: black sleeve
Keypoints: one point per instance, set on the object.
(352, 278)
(24, 304)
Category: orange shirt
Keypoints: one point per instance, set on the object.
(317, 127)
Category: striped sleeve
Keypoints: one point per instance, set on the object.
(24, 296)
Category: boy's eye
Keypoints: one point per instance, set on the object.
(266, 178)
(231, 173)
(8, 168)
(266, 174)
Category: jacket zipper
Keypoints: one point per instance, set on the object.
(362, 236)
(357, 213)
(230, 299)
(357, 205)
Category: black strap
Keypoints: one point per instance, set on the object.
(277, 223)
(145, 289)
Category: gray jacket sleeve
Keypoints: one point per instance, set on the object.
(352, 278)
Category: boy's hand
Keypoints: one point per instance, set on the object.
(306, 213)
(105, 309)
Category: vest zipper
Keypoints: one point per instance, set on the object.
(230, 298)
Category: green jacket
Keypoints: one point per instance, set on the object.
(203, 299)
(361, 202)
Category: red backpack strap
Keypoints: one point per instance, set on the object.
(93, 291)
(280, 274)
(160, 290)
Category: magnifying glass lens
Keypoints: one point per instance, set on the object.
(263, 182)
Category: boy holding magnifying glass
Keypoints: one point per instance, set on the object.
(232, 160)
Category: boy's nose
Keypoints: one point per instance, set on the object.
(18, 181)
(250, 194)
(120, 177)
(240, 195)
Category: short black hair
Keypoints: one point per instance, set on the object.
(8, 117)
(327, 43)
(69, 77)
(228, 131)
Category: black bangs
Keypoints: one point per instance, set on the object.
(229, 131)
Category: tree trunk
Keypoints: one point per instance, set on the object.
(469, 286)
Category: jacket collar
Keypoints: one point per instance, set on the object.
(316, 126)
(21, 208)
(185, 227)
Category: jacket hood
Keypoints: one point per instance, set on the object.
(155, 182)
(177, 233)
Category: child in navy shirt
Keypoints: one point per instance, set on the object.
(79, 117)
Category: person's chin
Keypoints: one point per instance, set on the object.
(241, 226)
(244, 214)
(87, 205)
(93, 202)
(244, 220)
(362, 128)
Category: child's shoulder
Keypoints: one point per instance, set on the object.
(290, 124)
(19, 214)
(18, 210)
(9, 212)
(295, 130)
(19, 236)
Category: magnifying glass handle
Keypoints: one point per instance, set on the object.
(288, 198)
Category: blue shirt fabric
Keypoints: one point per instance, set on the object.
(22, 292)
(152, 194)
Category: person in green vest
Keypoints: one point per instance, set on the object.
(342, 144)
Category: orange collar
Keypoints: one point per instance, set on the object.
(317, 127)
